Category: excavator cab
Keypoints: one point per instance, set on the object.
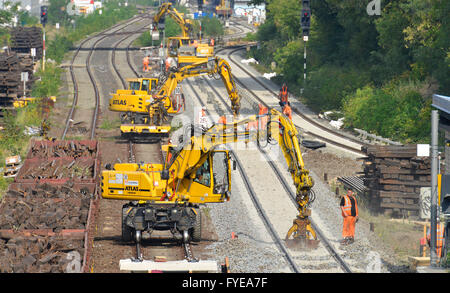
(135, 97)
(142, 84)
(213, 177)
(188, 51)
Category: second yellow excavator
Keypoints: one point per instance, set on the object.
(154, 111)
(185, 49)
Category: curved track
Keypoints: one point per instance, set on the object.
(95, 111)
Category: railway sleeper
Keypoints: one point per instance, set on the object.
(141, 219)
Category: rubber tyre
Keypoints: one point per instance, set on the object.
(197, 230)
(127, 232)
(312, 144)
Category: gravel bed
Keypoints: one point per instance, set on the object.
(366, 249)
(251, 252)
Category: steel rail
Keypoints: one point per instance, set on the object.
(279, 242)
(73, 77)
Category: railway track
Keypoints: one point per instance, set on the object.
(287, 188)
(187, 250)
(280, 243)
(95, 111)
(149, 249)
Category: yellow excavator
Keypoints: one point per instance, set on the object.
(183, 48)
(154, 112)
(167, 196)
(132, 101)
(224, 9)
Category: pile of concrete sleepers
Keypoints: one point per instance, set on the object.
(47, 218)
(394, 176)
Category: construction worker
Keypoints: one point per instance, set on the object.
(349, 209)
(222, 120)
(283, 95)
(203, 120)
(439, 239)
(263, 120)
(145, 62)
(167, 63)
(212, 42)
(287, 110)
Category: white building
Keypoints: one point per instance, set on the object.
(80, 7)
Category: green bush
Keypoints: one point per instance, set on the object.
(49, 82)
(397, 111)
(327, 86)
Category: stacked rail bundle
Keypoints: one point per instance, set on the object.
(11, 67)
(394, 176)
(25, 38)
(47, 215)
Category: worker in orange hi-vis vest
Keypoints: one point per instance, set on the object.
(222, 120)
(439, 239)
(283, 95)
(349, 209)
(287, 110)
(167, 63)
(212, 42)
(263, 120)
(145, 62)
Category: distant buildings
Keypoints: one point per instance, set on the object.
(82, 7)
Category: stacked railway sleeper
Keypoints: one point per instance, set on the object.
(23, 39)
(47, 215)
(12, 64)
(395, 178)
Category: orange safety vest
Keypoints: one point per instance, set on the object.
(287, 111)
(263, 120)
(222, 120)
(347, 208)
(284, 94)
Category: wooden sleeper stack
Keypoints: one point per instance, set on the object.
(394, 176)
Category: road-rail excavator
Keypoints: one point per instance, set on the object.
(148, 117)
(184, 49)
(167, 196)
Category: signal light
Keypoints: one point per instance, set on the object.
(44, 15)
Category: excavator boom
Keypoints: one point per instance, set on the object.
(167, 8)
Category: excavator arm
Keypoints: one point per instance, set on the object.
(167, 8)
(214, 66)
(279, 128)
